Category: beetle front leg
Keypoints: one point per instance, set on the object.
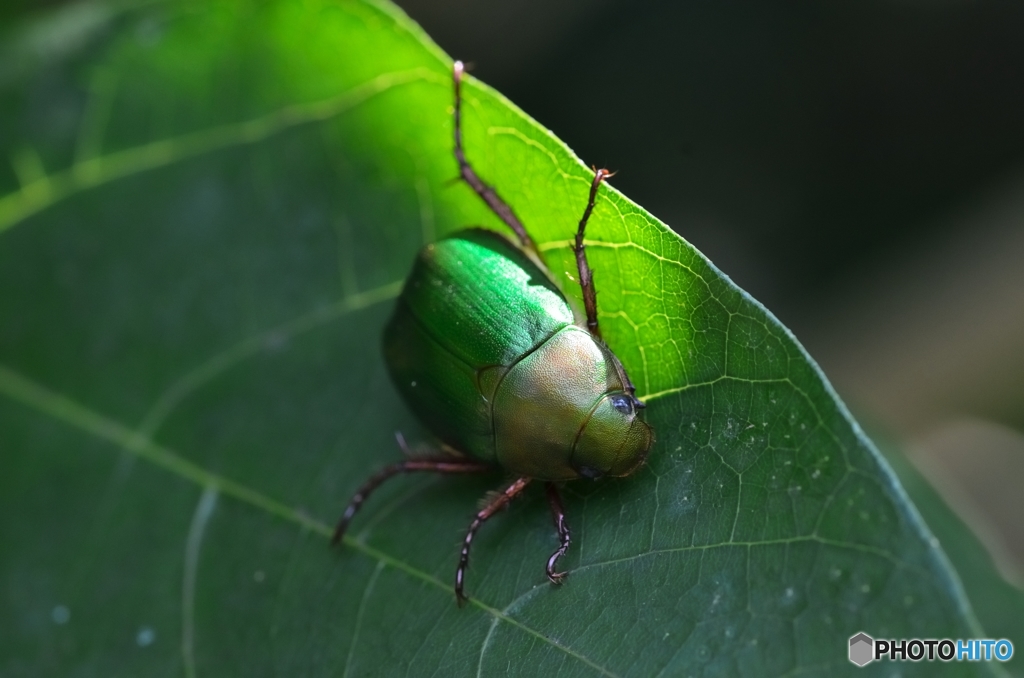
(558, 515)
(408, 466)
(586, 276)
(499, 501)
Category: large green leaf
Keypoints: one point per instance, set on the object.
(212, 207)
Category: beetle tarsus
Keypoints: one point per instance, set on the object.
(469, 175)
(442, 465)
(586, 275)
(558, 515)
(498, 502)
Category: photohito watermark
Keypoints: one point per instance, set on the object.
(864, 649)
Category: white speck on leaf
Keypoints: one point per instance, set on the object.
(145, 637)
(60, 615)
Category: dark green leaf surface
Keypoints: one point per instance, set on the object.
(212, 206)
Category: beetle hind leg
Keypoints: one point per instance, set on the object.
(497, 502)
(558, 515)
(435, 465)
(469, 175)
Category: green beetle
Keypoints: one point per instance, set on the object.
(488, 353)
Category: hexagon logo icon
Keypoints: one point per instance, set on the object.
(862, 649)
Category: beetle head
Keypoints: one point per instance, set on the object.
(614, 440)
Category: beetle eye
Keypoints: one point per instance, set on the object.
(622, 404)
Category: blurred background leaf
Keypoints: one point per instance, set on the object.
(206, 209)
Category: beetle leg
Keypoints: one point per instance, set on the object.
(407, 466)
(586, 276)
(558, 514)
(499, 501)
(467, 174)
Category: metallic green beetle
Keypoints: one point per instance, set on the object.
(488, 353)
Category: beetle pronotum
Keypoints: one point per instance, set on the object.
(490, 356)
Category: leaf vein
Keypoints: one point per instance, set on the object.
(193, 543)
(49, 189)
(251, 346)
(64, 409)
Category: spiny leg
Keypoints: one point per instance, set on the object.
(442, 465)
(499, 501)
(586, 276)
(558, 514)
(466, 172)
